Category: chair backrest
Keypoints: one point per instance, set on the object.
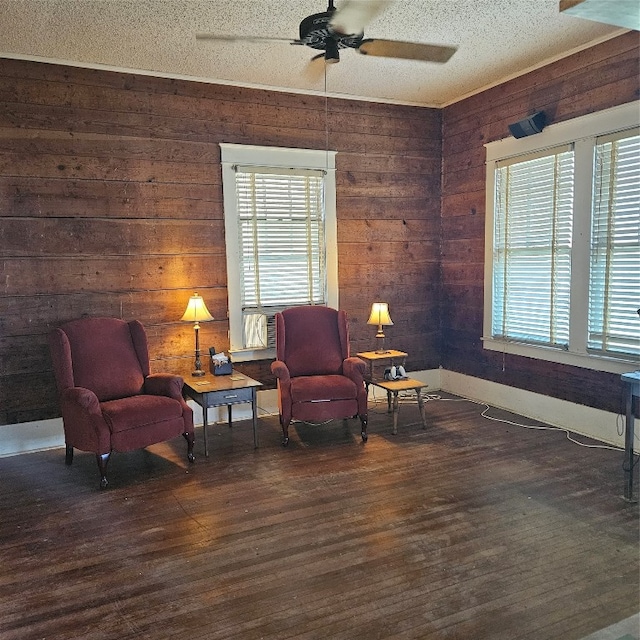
(106, 355)
(312, 340)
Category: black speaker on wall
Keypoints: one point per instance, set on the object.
(530, 125)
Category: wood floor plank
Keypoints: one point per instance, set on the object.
(468, 529)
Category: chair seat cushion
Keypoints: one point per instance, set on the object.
(322, 388)
(136, 411)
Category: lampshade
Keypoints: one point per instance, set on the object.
(380, 314)
(196, 310)
(380, 317)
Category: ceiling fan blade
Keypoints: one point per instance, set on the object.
(215, 36)
(315, 70)
(355, 15)
(406, 50)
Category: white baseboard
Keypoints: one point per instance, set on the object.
(607, 427)
(27, 437)
(594, 423)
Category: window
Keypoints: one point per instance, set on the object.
(532, 248)
(280, 237)
(614, 283)
(562, 264)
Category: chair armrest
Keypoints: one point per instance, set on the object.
(354, 368)
(81, 398)
(84, 424)
(164, 384)
(280, 371)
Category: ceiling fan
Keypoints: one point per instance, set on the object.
(336, 29)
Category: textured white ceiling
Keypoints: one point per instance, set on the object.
(497, 39)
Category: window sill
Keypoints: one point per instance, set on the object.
(586, 361)
(249, 355)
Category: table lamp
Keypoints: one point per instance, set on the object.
(380, 316)
(197, 312)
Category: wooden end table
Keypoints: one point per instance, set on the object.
(393, 387)
(376, 357)
(218, 391)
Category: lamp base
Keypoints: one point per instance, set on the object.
(380, 341)
(198, 373)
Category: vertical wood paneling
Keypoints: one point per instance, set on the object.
(111, 204)
(601, 77)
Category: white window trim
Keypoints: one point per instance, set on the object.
(233, 154)
(582, 132)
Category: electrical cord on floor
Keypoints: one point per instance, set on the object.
(567, 433)
(534, 427)
(265, 412)
(314, 424)
(406, 398)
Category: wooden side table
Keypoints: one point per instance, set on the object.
(386, 357)
(393, 387)
(218, 391)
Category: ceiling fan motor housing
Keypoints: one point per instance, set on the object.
(315, 31)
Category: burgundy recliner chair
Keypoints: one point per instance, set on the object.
(109, 400)
(317, 380)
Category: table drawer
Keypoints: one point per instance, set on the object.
(230, 396)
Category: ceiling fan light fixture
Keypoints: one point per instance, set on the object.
(334, 29)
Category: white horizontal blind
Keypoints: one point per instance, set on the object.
(282, 244)
(532, 248)
(614, 278)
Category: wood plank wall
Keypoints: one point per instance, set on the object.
(111, 204)
(595, 79)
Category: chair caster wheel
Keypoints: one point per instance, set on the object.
(191, 457)
(285, 442)
(365, 437)
(104, 483)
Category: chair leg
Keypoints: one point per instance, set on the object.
(190, 438)
(103, 460)
(285, 432)
(68, 458)
(363, 420)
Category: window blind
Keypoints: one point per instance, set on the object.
(532, 248)
(282, 245)
(614, 277)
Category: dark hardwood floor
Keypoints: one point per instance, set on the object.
(470, 529)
